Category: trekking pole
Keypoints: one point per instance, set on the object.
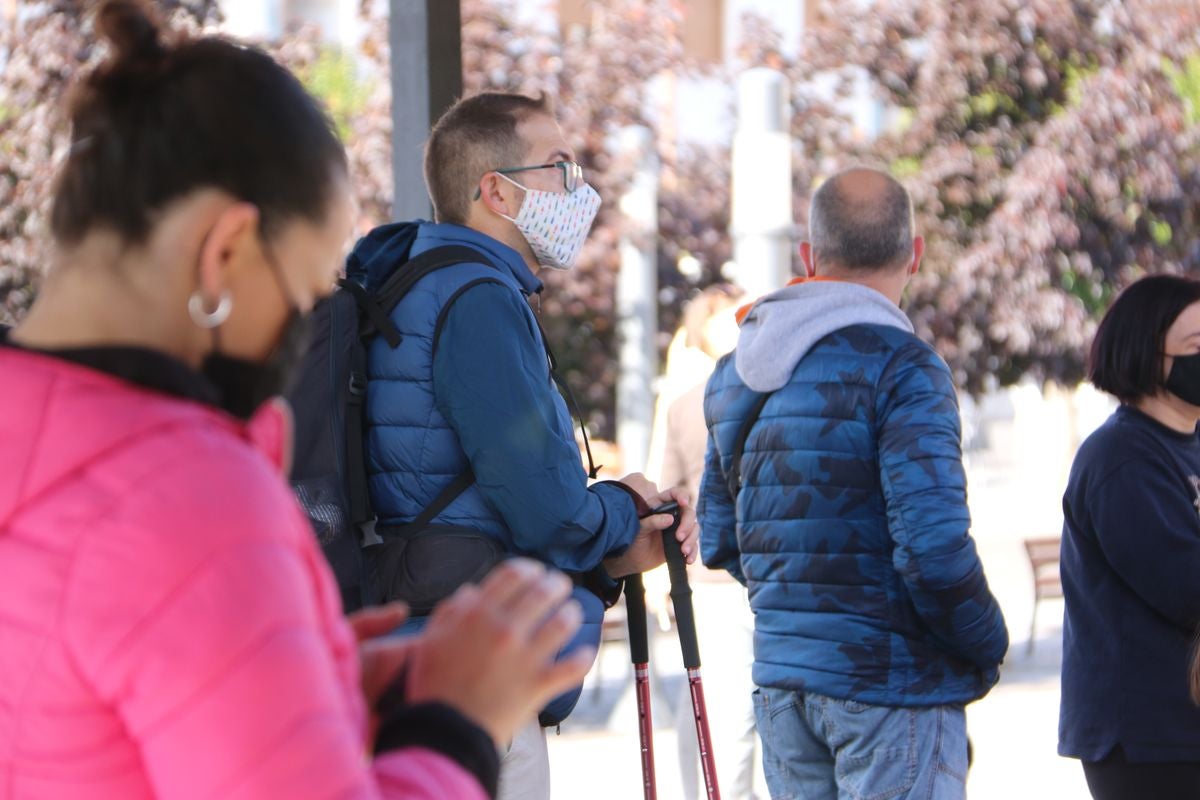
(639, 651)
(685, 619)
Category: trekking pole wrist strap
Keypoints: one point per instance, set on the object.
(641, 507)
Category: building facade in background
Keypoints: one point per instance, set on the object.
(704, 107)
(268, 19)
(695, 108)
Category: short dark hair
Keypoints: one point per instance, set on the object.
(860, 230)
(161, 118)
(475, 136)
(1126, 357)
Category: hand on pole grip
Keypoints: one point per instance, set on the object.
(681, 591)
(635, 609)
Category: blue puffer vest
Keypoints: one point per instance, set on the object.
(413, 452)
(851, 525)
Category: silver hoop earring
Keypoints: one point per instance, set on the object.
(209, 319)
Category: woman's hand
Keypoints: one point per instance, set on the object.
(489, 650)
(381, 660)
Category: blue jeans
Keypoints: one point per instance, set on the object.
(820, 748)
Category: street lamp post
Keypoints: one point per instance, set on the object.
(762, 182)
(425, 39)
(637, 300)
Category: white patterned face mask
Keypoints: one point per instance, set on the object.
(555, 224)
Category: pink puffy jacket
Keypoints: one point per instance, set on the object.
(168, 627)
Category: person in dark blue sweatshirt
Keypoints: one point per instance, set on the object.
(1131, 554)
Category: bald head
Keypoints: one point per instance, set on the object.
(861, 220)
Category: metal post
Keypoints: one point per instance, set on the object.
(425, 40)
(761, 217)
(637, 300)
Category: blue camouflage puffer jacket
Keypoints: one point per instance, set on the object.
(851, 525)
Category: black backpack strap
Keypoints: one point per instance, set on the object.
(374, 308)
(371, 314)
(361, 513)
(402, 281)
(374, 318)
(448, 495)
(734, 477)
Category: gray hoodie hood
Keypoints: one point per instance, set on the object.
(783, 326)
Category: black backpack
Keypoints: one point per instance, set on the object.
(327, 396)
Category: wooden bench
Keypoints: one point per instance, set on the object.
(1043, 556)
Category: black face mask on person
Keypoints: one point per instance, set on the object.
(244, 385)
(1184, 379)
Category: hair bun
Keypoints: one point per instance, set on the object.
(132, 30)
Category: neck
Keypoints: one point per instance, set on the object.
(889, 283)
(503, 231)
(98, 296)
(1170, 411)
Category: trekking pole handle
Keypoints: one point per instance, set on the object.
(681, 591)
(635, 610)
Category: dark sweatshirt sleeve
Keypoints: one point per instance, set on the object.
(492, 384)
(438, 727)
(924, 486)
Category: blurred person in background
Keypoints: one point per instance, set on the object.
(725, 624)
(1131, 554)
(691, 356)
(706, 332)
(873, 621)
(170, 627)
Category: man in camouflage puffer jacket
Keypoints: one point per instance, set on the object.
(874, 624)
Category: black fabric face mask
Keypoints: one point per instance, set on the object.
(1184, 380)
(245, 385)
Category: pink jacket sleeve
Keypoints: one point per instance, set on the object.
(219, 639)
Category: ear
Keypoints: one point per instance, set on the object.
(806, 255)
(498, 195)
(229, 243)
(918, 251)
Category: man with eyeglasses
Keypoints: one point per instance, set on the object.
(466, 406)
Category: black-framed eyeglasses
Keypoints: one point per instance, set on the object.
(572, 174)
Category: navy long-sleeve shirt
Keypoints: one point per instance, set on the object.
(1131, 577)
(491, 383)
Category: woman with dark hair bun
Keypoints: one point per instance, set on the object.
(1131, 554)
(169, 625)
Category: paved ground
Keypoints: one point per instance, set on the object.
(1014, 729)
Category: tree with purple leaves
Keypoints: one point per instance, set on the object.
(1052, 148)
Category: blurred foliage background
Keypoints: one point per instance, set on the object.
(1052, 148)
